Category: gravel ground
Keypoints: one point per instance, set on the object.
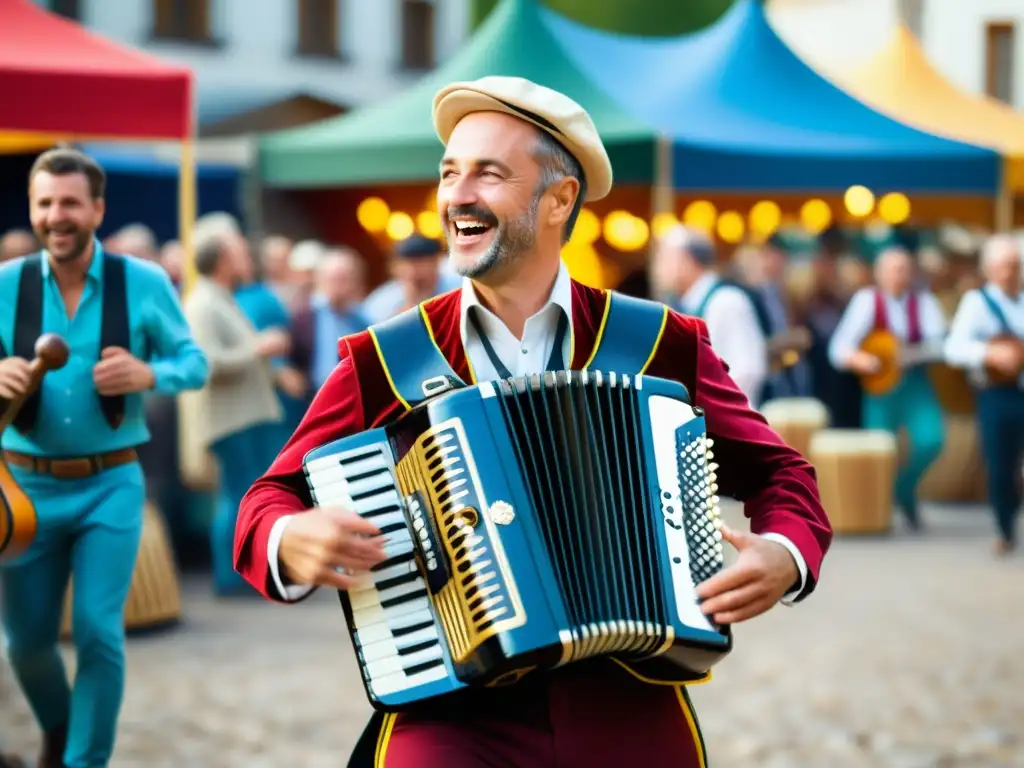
(910, 654)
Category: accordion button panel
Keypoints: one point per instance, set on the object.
(395, 636)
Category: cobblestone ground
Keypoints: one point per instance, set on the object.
(911, 653)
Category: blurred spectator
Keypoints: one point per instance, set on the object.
(275, 251)
(333, 313)
(684, 266)
(239, 403)
(172, 260)
(136, 240)
(416, 276)
(303, 262)
(17, 243)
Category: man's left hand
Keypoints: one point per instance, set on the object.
(761, 575)
(120, 373)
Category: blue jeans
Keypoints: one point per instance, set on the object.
(1001, 419)
(242, 457)
(912, 405)
(89, 529)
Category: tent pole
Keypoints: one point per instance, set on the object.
(1004, 202)
(187, 206)
(662, 193)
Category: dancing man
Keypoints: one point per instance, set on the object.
(986, 337)
(520, 161)
(72, 449)
(916, 320)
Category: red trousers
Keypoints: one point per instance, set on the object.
(593, 717)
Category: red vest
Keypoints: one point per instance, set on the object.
(913, 317)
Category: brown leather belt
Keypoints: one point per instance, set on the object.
(75, 468)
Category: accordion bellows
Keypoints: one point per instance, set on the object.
(532, 522)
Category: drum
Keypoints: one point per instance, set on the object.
(958, 474)
(154, 600)
(856, 470)
(796, 419)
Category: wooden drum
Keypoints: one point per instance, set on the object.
(958, 474)
(154, 600)
(796, 419)
(856, 471)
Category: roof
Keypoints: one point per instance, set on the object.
(745, 112)
(900, 81)
(635, 17)
(67, 80)
(394, 141)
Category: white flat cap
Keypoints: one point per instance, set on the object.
(549, 110)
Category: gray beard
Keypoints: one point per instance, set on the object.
(511, 241)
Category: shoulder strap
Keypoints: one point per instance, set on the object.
(914, 333)
(415, 367)
(703, 307)
(114, 331)
(28, 327)
(629, 335)
(996, 310)
(881, 322)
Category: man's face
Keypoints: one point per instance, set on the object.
(275, 260)
(487, 194)
(1004, 269)
(419, 274)
(64, 214)
(16, 244)
(771, 263)
(894, 271)
(339, 281)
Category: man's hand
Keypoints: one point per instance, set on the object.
(120, 373)
(761, 575)
(273, 343)
(317, 543)
(291, 381)
(863, 363)
(1005, 358)
(15, 376)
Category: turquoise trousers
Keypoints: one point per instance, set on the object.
(912, 406)
(89, 529)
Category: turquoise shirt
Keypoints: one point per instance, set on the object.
(70, 421)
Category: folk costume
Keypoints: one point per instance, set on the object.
(73, 453)
(564, 718)
(981, 316)
(917, 320)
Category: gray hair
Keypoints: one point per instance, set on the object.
(557, 163)
(997, 246)
(690, 240)
(137, 236)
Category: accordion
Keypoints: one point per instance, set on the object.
(532, 522)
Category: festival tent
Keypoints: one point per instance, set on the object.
(394, 141)
(901, 82)
(60, 81)
(745, 112)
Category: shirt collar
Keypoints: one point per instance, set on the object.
(95, 272)
(995, 289)
(561, 296)
(700, 288)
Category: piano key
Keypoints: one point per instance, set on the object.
(372, 632)
(373, 611)
(388, 666)
(399, 681)
(394, 646)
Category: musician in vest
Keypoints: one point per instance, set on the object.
(72, 449)
(914, 320)
(986, 337)
(739, 330)
(520, 161)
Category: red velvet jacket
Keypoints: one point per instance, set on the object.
(776, 485)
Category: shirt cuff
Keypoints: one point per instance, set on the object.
(294, 592)
(790, 597)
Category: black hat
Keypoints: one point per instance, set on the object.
(417, 246)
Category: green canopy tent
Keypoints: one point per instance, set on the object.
(393, 142)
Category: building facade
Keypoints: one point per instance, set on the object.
(247, 53)
(977, 44)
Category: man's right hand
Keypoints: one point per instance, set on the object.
(15, 376)
(316, 543)
(863, 363)
(1005, 358)
(273, 343)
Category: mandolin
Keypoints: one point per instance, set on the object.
(18, 520)
(997, 377)
(894, 356)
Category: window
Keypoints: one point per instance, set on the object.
(69, 9)
(318, 28)
(186, 21)
(417, 34)
(999, 45)
(912, 14)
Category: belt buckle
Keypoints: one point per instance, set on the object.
(72, 469)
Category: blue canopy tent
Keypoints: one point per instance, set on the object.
(746, 114)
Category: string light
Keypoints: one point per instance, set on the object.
(399, 226)
(859, 200)
(372, 215)
(894, 208)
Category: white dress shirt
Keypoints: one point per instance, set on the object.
(974, 324)
(522, 357)
(859, 320)
(734, 330)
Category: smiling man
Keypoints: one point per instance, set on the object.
(72, 449)
(520, 160)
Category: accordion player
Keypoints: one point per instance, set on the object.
(531, 522)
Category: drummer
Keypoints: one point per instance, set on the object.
(916, 319)
(996, 309)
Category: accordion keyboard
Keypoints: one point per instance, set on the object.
(395, 635)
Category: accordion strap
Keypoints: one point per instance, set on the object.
(629, 335)
(415, 367)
